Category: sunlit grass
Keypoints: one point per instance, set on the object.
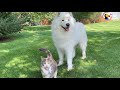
(20, 57)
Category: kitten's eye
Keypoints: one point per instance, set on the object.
(68, 19)
(44, 63)
(62, 20)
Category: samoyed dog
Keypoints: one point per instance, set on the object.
(66, 34)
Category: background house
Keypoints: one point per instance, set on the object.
(115, 15)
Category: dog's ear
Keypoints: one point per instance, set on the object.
(58, 13)
(71, 14)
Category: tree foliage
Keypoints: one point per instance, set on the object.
(36, 17)
(86, 15)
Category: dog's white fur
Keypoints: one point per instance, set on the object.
(65, 41)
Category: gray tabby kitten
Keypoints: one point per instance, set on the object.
(48, 65)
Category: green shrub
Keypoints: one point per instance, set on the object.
(10, 24)
(87, 16)
(5, 14)
(81, 15)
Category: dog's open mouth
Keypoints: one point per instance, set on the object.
(65, 28)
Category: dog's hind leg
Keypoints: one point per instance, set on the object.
(83, 47)
(73, 53)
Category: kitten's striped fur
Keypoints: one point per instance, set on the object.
(48, 65)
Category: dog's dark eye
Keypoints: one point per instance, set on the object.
(62, 20)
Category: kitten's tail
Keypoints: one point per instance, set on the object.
(46, 51)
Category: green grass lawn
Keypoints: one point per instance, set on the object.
(20, 57)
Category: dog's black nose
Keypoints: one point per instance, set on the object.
(68, 24)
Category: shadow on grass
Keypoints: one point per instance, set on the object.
(95, 64)
(23, 58)
(27, 32)
(6, 39)
(23, 63)
(15, 36)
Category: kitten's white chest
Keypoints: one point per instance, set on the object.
(45, 70)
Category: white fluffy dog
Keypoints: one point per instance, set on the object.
(66, 34)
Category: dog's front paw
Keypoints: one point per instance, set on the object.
(83, 57)
(70, 68)
(60, 63)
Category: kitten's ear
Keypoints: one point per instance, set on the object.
(41, 58)
(49, 56)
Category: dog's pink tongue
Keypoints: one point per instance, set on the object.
(67, 29)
